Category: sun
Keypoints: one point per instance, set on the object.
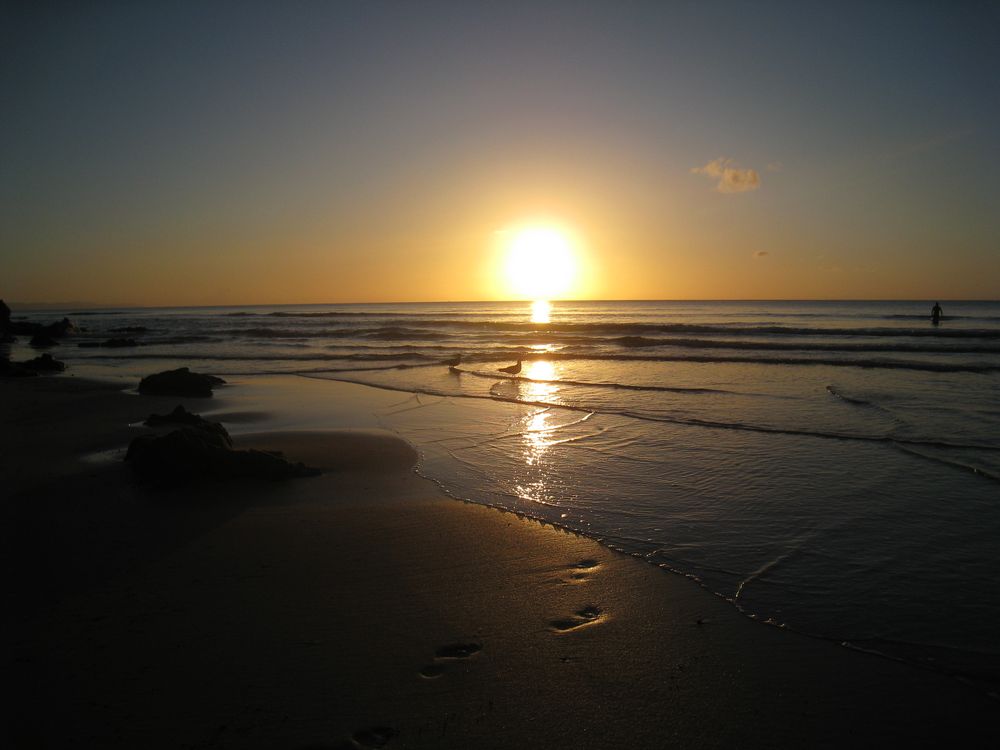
(540, 262)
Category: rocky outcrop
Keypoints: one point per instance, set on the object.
(42, 335)
(181, 416)
(51, 331)
(204, 452)
(44, 363)
(42, 341)
(179, 382)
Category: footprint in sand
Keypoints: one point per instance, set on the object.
(432, 671)
(371, 738)
(582, 570)
(458, 651)
(589, 615)
(374, 737)
(448, 653)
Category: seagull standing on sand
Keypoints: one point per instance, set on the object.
(513, 369)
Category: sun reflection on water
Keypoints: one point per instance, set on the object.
(539, 428)
(539, 370)
(541, 311)
(536, 436)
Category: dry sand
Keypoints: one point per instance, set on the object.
(363, 608)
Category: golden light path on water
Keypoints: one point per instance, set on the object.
(539, 428)
(538, 382)
(541, 311)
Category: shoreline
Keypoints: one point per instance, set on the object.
(962, 665)
(596, 647)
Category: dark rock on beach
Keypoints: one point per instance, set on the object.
(41, 332)
(42, 340)
(179, 382)
(42, 336)
(60, 329)
(205, 452)
(181, 416)
(44, 363)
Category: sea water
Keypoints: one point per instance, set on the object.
(830, 467)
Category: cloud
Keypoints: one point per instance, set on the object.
(731, 178)
(761, 253)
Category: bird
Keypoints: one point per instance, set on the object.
(513, 369)
(454, 362)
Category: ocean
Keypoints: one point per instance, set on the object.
(828, 467)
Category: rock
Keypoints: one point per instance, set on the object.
(196, 454)
(60, 329)
(45, 363)
(51, 331)
(42, 340)
(4, 316)
(180, 382)
(182, 416)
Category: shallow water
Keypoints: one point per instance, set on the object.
(830, 467)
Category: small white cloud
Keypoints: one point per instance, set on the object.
(731, 178)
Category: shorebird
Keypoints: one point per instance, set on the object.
(513, 369)
(454, 362)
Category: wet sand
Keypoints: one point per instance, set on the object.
(363, 608)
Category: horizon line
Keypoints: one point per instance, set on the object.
(86, 305)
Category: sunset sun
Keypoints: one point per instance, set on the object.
(540, 262)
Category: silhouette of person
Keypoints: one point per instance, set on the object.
(936, 313)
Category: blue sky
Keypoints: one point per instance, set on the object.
(282, 152)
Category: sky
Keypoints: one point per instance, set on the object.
(267, 153)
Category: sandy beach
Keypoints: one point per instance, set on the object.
(364, 608)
